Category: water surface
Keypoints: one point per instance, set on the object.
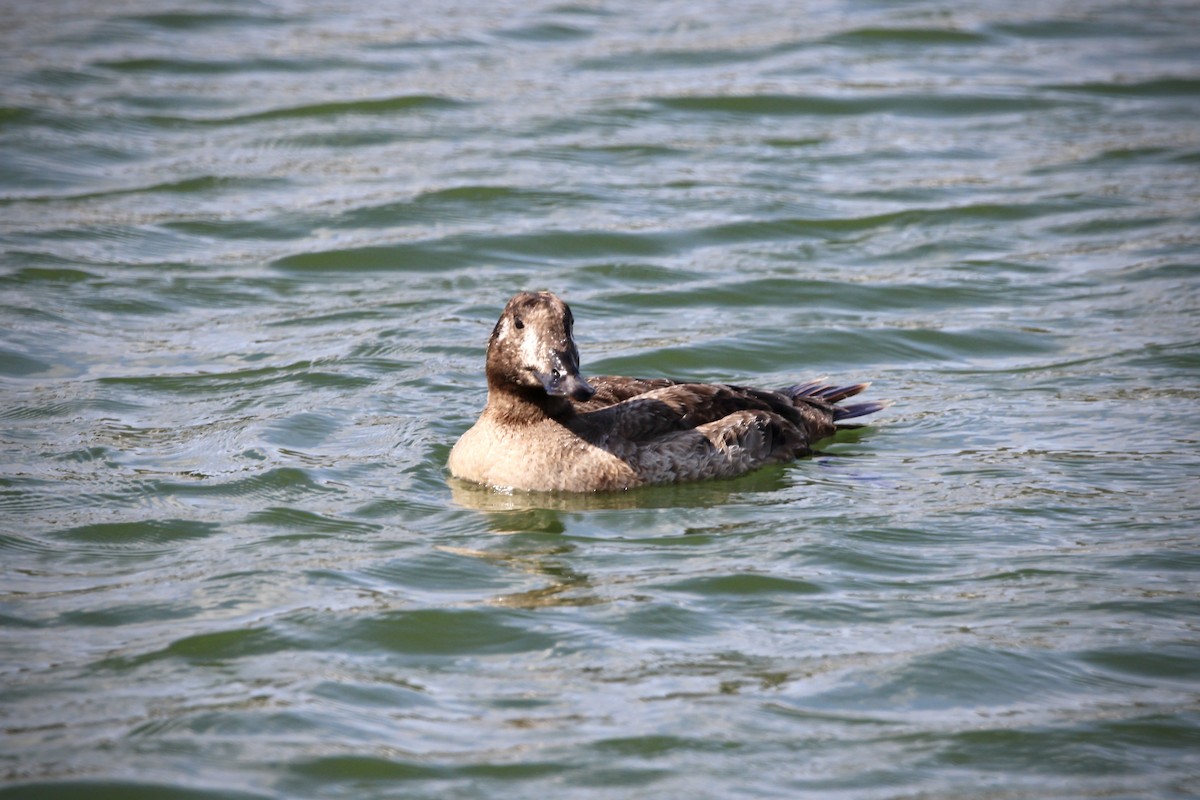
(249, 258)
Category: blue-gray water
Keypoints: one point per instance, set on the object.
(251, 253)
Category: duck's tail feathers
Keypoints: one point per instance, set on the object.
(821, 390)
(824, 391)
(859, 409)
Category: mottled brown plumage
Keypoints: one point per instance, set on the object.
(545, 428)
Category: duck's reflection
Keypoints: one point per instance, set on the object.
(566, 586)
(543, 516)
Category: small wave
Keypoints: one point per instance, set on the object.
(338, 108)
(140, 534)
(939, 105)
(547, 32)
(295, 521)
(872, 38)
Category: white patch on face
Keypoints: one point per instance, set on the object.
(531, 354)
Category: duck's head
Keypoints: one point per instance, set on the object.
(533, 348)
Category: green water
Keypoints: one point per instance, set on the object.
(249, 257)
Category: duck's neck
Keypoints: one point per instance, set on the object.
(526, 407)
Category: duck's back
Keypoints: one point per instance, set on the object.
(684, 432)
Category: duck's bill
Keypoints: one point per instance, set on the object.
(563, 383)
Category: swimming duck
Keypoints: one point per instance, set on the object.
(547, 428)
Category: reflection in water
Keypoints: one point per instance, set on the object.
(515, 512)
(702, 494)
(566, 587)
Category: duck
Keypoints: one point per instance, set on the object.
(547, 428)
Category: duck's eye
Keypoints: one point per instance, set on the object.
(555, 374)
(517, 321)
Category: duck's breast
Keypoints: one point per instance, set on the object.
(541, 457)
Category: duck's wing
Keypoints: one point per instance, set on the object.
(677, 407)
(693, 431)
(612, 389)
(688, 431)
(667, 407)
